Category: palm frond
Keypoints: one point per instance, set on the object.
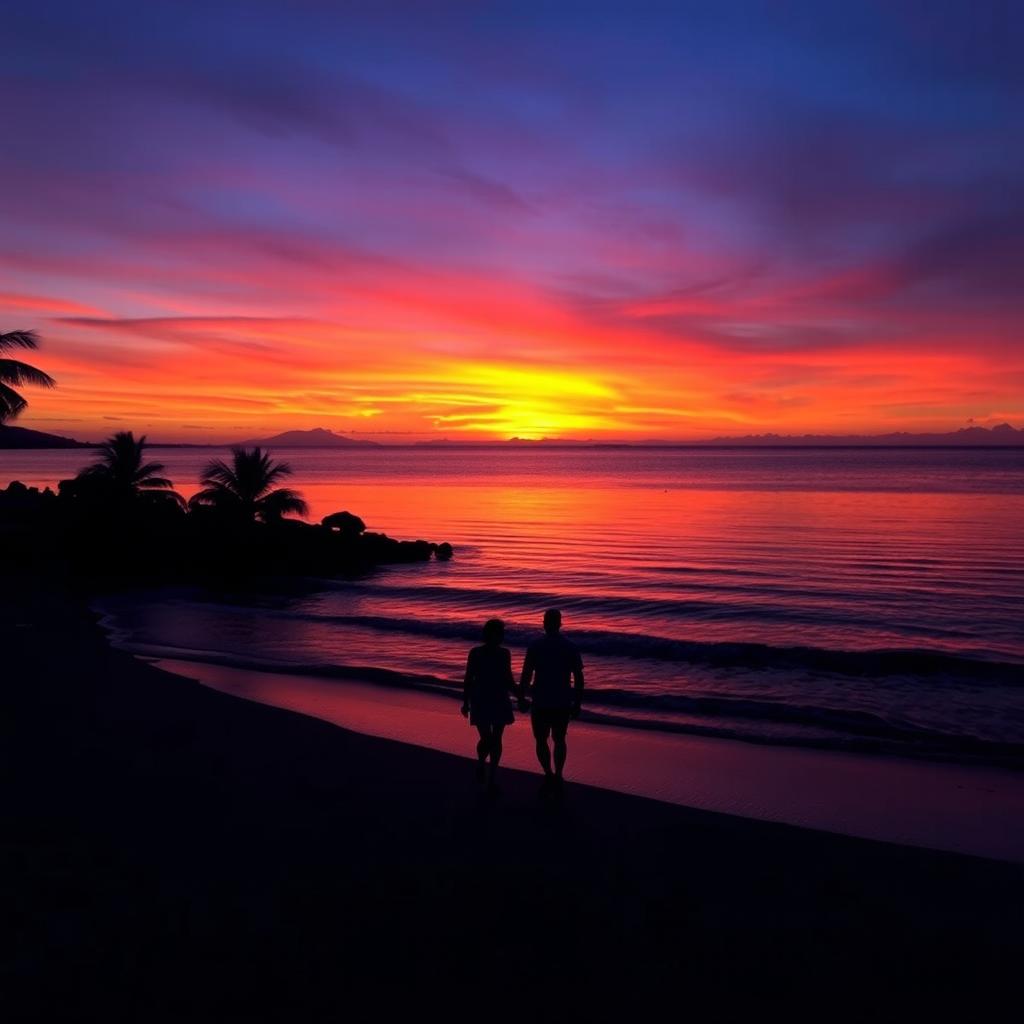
(250, 472)
(149, 469)
(126, 442)
(154, 483)
(11, 403)
(217, 471)
(17, 373)
(276, 472)
(284, 501)
(14, 373)
(202, 499)
(120, 455)
(165, 498)
(19, 339)
(216, 495)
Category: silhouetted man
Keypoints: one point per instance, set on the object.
(556, 668)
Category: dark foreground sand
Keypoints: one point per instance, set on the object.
(170, 852)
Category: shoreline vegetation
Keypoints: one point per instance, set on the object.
(172, 852)
(119, 518)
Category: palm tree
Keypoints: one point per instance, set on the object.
(121, 470)
(14, 373)
(245, 489)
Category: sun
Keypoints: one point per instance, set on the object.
(503, 401)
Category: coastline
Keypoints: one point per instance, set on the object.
(959, 808)
(175, 852)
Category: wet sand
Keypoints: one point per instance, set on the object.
(960, 808)
(171, 852)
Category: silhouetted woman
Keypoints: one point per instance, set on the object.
(487, 698)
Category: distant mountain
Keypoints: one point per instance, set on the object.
(22, 437)
(1001, 435)
(316, 438)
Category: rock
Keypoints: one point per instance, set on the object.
(444, 551)
(347, 524)
(19, 497)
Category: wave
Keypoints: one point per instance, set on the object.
(848, 610)
(631, 605)
(698, 714)
(873, 663)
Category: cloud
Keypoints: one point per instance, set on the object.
(486, 190)
(45, 304)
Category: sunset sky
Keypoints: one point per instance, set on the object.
(486, 219)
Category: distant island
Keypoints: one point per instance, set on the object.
(22, 437)
(318, 437)
(1001, 436)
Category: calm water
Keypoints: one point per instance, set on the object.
(856, 598)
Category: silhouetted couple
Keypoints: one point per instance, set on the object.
(551, 686)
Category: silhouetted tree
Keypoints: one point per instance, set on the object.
(14, 373)
(122, 474)
(245, 489)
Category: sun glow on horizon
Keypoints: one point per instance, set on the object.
(200, 378)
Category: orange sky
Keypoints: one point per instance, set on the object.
(419, 361)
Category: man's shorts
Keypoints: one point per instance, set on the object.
(549, 720)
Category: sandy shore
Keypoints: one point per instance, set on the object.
(171, 852)
(959, 808)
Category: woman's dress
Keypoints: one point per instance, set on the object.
(489, 684)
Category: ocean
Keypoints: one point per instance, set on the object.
(855, 599)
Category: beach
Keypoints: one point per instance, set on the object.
(174, 852)
(961, 808)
